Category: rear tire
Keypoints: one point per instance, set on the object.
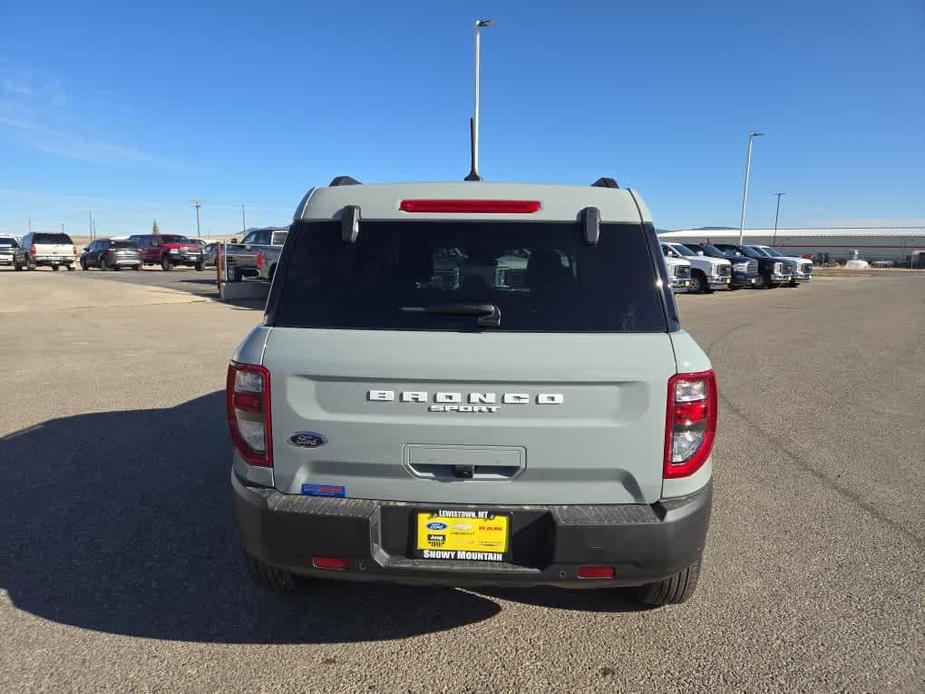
(55, 267)
(70, 267)
(103, 264)
(83, 264)
(268, 577)
(137, 268)
(17, 267)
(672, 590)
(198, 267)
(166, 265)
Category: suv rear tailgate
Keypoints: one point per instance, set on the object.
(603, 443)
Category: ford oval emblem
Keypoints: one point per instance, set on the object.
(436, 525)
(307, 439)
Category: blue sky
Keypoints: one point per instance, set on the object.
(134, 109)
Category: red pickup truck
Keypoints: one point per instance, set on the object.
(168, 250)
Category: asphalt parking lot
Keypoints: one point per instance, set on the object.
(118, 567)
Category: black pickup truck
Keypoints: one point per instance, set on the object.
(772, 272)
(744, 270)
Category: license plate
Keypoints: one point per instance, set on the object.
(462, 535)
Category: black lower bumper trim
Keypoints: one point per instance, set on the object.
(548, 543)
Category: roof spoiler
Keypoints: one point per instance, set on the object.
(605, 182)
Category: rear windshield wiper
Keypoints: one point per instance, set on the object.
(489, 315)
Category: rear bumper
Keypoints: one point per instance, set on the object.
(643, 543)
(54, 259)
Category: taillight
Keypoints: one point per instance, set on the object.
(74, 249)
(691, 425)
(471, 206)
(32, 251)
(247, 401)
(259, 261)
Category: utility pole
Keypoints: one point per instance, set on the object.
(197, 204)
(30, 225)
(776, 217)
(243, 221)
(748, 166)
(90, 223)
(474, 172)
(62, 227)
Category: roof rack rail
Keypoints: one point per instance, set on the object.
(605, 182)
(344, 181)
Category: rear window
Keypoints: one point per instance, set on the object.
(413, 275)
(279, 238)
(52, 238)
(173, 238)
(122, 244)
(7, 241)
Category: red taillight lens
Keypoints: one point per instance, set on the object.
(75, 249)
(472, 206)
(259, 261)
(332, 563)
(691, 425)
(596, 572)
(247, 402)
(32, 251)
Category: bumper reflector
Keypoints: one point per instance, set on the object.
(332, 563)
(596, 572)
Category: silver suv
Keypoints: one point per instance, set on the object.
(470, 384)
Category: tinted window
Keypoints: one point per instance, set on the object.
(709, 250)
(121, 244)
(733, 252)
(758, 251)
(8, 241)
(173, 238)
(51, 238)
(279, 237)
(542, 277)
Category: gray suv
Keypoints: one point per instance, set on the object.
(471, 384)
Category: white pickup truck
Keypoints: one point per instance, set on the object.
(7, 245)
(679, 271)
(706, 273)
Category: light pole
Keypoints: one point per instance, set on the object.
(243, 221)
(197, 204)
(748, 166)
(776, 217)
(474, 124)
